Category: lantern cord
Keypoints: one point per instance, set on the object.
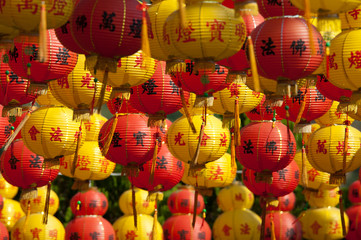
(203, 215)
(195, 207)
(304, 166)
(264, 212)
(342, 212)
(134, 207)
(205, 112)
(75, 158)
(233, 151)
(252, 60)
(198, 149)
(237, 123)
(145, 40)
(102, 91)
(47, 201)
(182, 14)
(28, 209)
(43, 54)
(109, 139)
(303, 104)
(154, 161)
(327, 60)
(186, 111)
(155, 218)
(94, 96)
(309, 24)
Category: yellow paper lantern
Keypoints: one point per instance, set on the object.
(6, 189)
(124, 228)
(48, 100)
(322, 223)
(35, 229)
(224, 100)
(323, 198)
(182, 141)
(143, 204)
(235, 196)
(90, 164)
(219, 173)
(326, 151)
(239, 224)
(333, 116)
(328, 7)
(351, 18)
(76, 91)
(93, 126)
(51, 132)
(36, 205)
(11, 213)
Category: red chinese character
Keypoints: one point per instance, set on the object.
(55, 136)
(321, 147)
(16, 234)
(165, 34)
(145, 204)
(109, 88)
(77, 134)
(354, 13)
(104, 165)
(233, 89)
(340, 148)
(239, 197)
(63, 82)
(312, 174)
(37, 200)
(63, 163)
(205, 137)
(256, 94)
(88, 125)
(58, 7)
(216, 29)
(33, 131)
(131, 235)
(226, 229)
(87, 79)
(26, 5)
(217, 174)
(334, 228)
(184, 34)
(83, 162)
(245, 229)
(332, 61)
(178, 139)
(223, 140)
(355, 59)
(53, 234)
(51, 201)
(35, 232)
(338, 114)
(139, 61)
(315, 227)
(240, 31)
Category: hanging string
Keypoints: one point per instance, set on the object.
(47, 202)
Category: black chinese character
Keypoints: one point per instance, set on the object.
(189, 67)
(299, 97)
(291, 234)
(93, 204)
(149, 86)
(166, 235)
(290, 149)
(81, 23)
(136, 28)
(175, 88)
(218, 69)
(7, 130)
(274, 2)
(298, 47)
(35, 163)
(74, 236)
(319, 96)
(104, 204)
(139, 137)
(111, 237)
(271, 146)
(320, 46)
(161, 163)
(116, 139)
(34, 51)
(14, 54)
(62, 56)
(179, 165)
(268, 46)
(13, 77)
(286, 202)
(282, 174)
(13, 160)
(94, 235)
(201, 235)
(247, 149)
(64, 28)
(184, 203)
(255, 111)
(297, 174)
(355, 193)
(268, 109)
(182, 234)
(107, 21)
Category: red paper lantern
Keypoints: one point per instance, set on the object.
(285, 203)
(120, 105)
(133, 143)
(284, 181)
(179, 227)
(158, 96)
(354, 216)
(277, 8)
(182, 201)
(23, 60)
(330, 91)
(266, 146)
(354, 192)
(86, 227)
(23, 168)
(263, 112)
(285, 226)
(90, 202)
(168, 172)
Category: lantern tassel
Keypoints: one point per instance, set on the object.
(237, 123)
(29, 193)
(304, 166)
(303, 105)
(263, 226)
(154, 161)
(309, 24)
(273, 234)
(252, 60)
(327, 60)
(196, 154)
(182, 14)
(47, 202)
(145, 40)
(109, 139)
(43, 54)
(28, 210)
(134, 207)
(195, 208)
(94, 96)
(28, 72)
(102, 91)
(233, 151)
(186, 111)
(342, 212)
(75, 158)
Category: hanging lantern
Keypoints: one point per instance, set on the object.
(37, 204)
(327, 153)
(282, 225)
(353, 214)
(11, 213)
(322, 223)
(266, 147)
(47, 100)
(326, 7)
(237, 224)
(349, 19)
(285, 203)
(279, 9)
(166, 173)
(51, 133)
(354, 192)
(333, 116)
(284, 181)
(6, 189)
(180, 227)
(283, 43)
(119, 104)
(143, 203)
(89, 226)
(124, 228)
(323, 197)
(182, 201)
(25, 62)
(235, 196)
(158, 96)
(182, 141)
(93, 126)
(90, 202)
(79, 91)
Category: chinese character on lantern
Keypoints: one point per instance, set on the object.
(184, 34)
(216, 28)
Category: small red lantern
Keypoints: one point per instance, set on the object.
(266, 147)
(89, 227)
(285, 226)
(180, 227)
(354, 192)
(263, 112)
(168, 172)
(285, 203)
(354, 216)
(277, 8)
(182, 201)
(158, 96)
(90, 202)
(284, 181)
(120, 105)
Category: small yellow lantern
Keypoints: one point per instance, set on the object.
(11, 213)
(125, 229)
(93, 126)
(79, 90)
(237, 224)
(36, 205)
(323, 198)
(235, 196)
(32, 228)
(328, 7)
(48, 100)
(143, 203)
(333, 116)
(6, 189)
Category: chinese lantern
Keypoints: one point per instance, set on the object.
(11, 213)
(31, 229)
(50, 132)
(326, 151)
(132, 144)
(327, 7)
(180, 227)
(283, 43)
(119, 104)
(48, 100)
(285, 203)
(322, 223)
(263, 112)
(6, 189)
(124, 228)
(182, 201)
(333, 116)
(182, 141)
(237, 224)
(79, 91)
(93, 126)
(89, 202)
(353, 214)
(277, 9)
(354, 192)
(143, 203)
(283, 225)
(37, 204)
(235, 196)
(323, 197)
(166, 173)
(158, 96)
(284, 181)
(266, 147)
(349, 19)
(24, 60)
